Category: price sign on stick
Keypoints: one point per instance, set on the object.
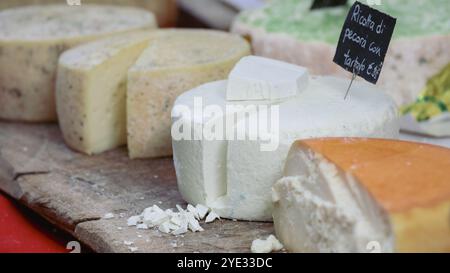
(364, 41)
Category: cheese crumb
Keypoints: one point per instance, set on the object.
(211, 217)
(173, 222)
(108, 216)
(266, 246)
(133, 248)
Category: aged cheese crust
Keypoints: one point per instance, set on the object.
(176, 61)
(91, 91)
(417, 51)
(407, 181)
(31, 41)
(164, 10)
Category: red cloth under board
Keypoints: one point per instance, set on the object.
(22, 233)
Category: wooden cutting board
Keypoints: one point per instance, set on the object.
(74, 192)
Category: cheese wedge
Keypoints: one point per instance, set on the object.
(31, 41)
(91, 91)
(176, 61)
(234, 176)
(164, 10)
(364, 195)
(257, 78)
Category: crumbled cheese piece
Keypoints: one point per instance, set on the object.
(142, 226)
(133, 220)
(128, 243)
(192, 210)
(173, 222)
(201, 210)
(133, 248)
(211, 217)
(108, 216)
(266, 246)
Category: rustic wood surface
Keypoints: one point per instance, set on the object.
(74, 191)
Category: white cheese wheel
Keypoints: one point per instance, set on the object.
(164, 10)
(31, 41)
(91, 91)
(234, 177)
(175, 61)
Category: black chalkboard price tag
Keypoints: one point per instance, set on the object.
(319, 4)
(364, 41)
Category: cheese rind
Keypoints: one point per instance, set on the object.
(91, 91)
(234, 177)
(176, 61)
(334, 198)
(31, 41)
(257, 78)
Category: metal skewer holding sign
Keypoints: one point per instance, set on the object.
(363, 42)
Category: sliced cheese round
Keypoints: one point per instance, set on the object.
(164, 10)
(91, 91)
(363, 195)
(31, 41)
(176, 61)
(234, 175)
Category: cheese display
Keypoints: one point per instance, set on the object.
(164, 10)
(232, 169)
(91, 91)
(288, 30)
(363, 195)
(31, 41)
(257, 78)
(175, 61)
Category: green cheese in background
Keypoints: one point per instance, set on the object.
(435, 98)
(294, 17)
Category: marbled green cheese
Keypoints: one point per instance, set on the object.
(294, 17)
(31, 41)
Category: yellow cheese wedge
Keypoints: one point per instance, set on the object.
(364, 195)
(91, 91)
(164, 10)
(176, 61)
(31, 41)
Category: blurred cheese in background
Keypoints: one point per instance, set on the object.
(218, 14)
(363, 195)
(164, 10)
(288, 30)
(31, 41)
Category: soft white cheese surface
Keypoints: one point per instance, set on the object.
(234, 177)
(258, 78)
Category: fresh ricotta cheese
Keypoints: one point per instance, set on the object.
(257, 78)
(234, 177)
